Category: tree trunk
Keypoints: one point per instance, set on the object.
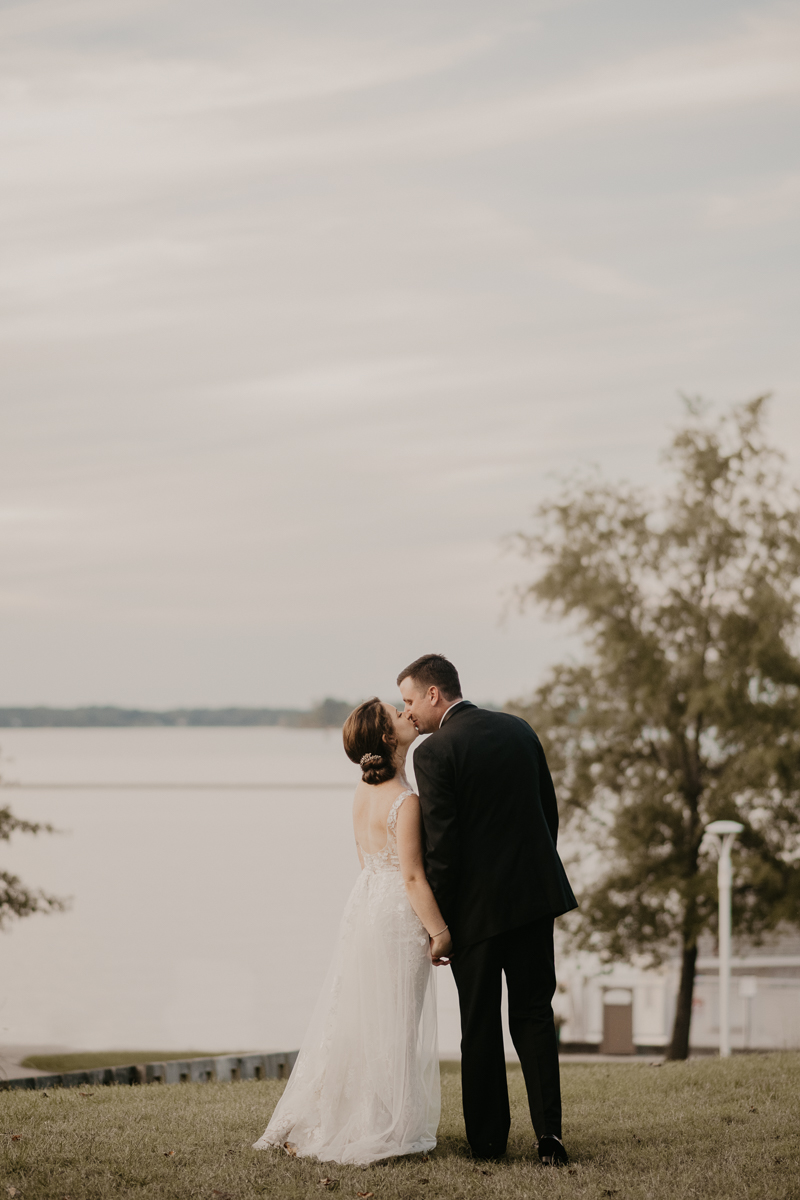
(679, 1046)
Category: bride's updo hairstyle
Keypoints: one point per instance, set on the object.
(369, 740)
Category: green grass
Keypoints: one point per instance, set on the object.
(709, 1129)
(85, 1060)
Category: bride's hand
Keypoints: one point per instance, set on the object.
(441, 949)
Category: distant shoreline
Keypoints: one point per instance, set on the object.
(329, 714)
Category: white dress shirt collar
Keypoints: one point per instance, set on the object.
(447, 710)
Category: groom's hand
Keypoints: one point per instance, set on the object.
(441, 949)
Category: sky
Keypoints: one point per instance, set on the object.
(307, 306)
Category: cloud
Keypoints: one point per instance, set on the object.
(285, 281)
(345, 385)
(769, 203)
(761, 63)
(22, 518)
(153, 122)
(48, 274)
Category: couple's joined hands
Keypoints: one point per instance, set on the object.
(441, 949)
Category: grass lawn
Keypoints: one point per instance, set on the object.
(700, 1129)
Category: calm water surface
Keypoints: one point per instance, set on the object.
(202, 916)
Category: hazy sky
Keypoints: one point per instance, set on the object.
(305, 304)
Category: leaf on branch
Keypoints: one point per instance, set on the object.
(16, 900)
(10, 824)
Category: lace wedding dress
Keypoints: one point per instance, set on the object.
(366, 1083)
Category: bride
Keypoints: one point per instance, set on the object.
(366, 1083)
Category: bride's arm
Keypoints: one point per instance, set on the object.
(412, 866)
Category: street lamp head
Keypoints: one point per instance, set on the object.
(723, 827)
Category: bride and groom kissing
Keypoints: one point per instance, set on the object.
(465, 874)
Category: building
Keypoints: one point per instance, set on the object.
(625, 1009)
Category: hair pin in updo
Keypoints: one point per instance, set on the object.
(370, 760)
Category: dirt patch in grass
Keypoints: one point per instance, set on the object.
(712, 1129)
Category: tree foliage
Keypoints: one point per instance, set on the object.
(687, 706)
(17, 900)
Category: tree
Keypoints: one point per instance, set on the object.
(686, 708)
(16, 900)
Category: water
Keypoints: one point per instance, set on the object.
(204, 909)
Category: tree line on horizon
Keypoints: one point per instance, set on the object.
(327, 714)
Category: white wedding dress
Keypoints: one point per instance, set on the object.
(366, 1083)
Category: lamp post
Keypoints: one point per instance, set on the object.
(725, 831)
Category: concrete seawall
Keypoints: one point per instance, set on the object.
(223, 1069)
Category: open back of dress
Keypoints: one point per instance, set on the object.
(366, 1083)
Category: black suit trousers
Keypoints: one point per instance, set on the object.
(525, 955)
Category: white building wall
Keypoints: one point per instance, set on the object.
(765, 1009)
(586, 981)
(767, 1020)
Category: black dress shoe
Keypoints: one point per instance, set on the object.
(552, 1152)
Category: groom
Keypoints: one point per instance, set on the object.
(490, 821)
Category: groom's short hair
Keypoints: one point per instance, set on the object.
(434, 670)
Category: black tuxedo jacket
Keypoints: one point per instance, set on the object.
(490, 824)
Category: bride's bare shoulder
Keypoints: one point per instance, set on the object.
(380, 793)
(361, 796)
